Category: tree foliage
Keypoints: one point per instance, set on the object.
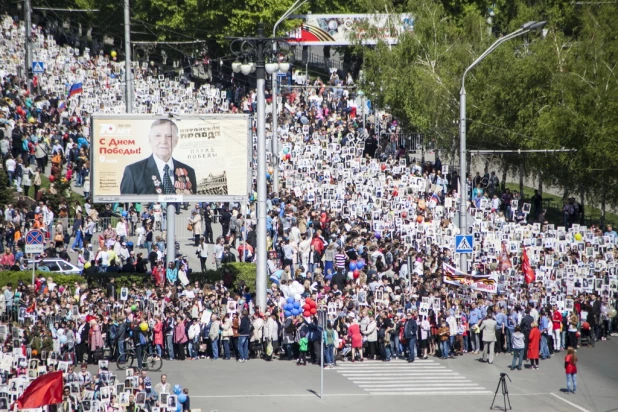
(558, 89)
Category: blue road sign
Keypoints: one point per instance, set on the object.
(38, 67)
(35, 237)
(35, 242)
(464, 243)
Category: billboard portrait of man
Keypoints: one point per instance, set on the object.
(159, 173)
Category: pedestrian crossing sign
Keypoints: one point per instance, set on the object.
(38, 67)
(464, 243)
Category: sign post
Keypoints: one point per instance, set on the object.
(321, 326)
(35, 245)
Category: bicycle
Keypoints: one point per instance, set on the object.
(149, 361)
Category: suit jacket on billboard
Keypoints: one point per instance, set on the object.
(138, 177)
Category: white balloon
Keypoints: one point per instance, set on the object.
(297, 297)
(295, 283)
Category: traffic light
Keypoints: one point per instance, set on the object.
(30, 74)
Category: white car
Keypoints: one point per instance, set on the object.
(57, 265)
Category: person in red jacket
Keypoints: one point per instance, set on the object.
(534, 344)
(570, 366)
(557, 328)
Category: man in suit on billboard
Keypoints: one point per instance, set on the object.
(159, 173)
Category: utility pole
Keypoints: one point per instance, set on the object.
(128, 78)
(27, 45)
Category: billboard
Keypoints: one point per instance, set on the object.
(144, 158)
(346, 29)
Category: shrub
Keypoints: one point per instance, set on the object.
(234, 275)
(14, 278)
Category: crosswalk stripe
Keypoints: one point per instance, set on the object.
(432, 392)
(427, 378)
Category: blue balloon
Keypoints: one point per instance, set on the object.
(267, 175)
(177, 390)
(360, 264)
(179, 407)
(62, 339)
(352, 265)
(296, 305)
(287, 306)
(182, 398)
(274, 279)
(287, 313)
(290, 300)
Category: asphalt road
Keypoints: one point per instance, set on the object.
(461, 384)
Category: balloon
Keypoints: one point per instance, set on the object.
(267, 175)
(297, 298)
(52, 178)
(113, 53)
(314, 311)
(134, 308)
(35, 352)
(404, 214)
(296, 305)
(288, 156)
(578, 236)
(383, 167)
(295, 283)
(313, 304)
(377, 235)
(585, 326)
(290, 300)
(182, 398)
(62, 339)
(177, 389)
(287, 313)
(178, 405)
(360, 264)
(306, 313)
(143, 326)
(612, 313)
(271, 170)
(395, 193)
(356, 273)
(419, 219)
(306, 306)
(286, 150)
(353, 266)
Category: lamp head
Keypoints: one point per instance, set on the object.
(236, 66)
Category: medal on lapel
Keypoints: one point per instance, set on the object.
(157, 184)
(182, 184)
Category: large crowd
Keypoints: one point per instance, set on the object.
(361, 236)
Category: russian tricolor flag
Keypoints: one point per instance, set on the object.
(62, 106)
(75, 89)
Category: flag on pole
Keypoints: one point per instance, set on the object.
(529, 274)
(62, 106)
(44, 390)
(75, 89)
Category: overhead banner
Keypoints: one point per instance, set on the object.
(346, 29)
(456, 277)
(137, 158)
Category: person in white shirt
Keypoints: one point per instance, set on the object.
(121, 229)
(10, 166)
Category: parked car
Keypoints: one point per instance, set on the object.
(57, 265)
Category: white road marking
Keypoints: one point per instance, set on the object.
(576, 406)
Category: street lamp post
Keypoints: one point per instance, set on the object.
(526, 28)
(284, 66)
(249, 49)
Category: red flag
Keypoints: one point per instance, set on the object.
(44, 390)
(529, 274)
(32, 307)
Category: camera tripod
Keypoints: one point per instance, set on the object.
(505, 391)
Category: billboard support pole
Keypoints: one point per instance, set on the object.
(262, 256)
(171, 234)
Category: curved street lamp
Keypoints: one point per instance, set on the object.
(463, 212)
